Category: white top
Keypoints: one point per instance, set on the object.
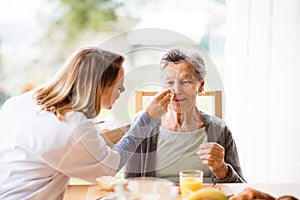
(177, 151)
(38, 153)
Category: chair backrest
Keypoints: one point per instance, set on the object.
(216, 94)
(111, 137)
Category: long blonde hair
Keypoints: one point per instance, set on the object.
(80, 83)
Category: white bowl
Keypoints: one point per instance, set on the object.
(150, 188)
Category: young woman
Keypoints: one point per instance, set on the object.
(48, 135)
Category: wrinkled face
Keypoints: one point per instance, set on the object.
(182, 80)
(112, 93)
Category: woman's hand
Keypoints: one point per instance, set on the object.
(212, 155)
(159, 104)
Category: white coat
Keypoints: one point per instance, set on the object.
(39, 153)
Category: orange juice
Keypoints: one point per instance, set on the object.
(189, 184)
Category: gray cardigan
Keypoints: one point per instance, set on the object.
(142, 163)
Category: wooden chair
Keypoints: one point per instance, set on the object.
(111, 137)
(216, 94)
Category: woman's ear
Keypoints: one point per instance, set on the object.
(201, 87)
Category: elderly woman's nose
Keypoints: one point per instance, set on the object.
(177, 87)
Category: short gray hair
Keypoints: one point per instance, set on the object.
(193, 58)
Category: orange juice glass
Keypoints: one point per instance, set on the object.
(190, 181)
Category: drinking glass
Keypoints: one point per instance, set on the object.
(190, 181)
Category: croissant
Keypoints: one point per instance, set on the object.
(251, 193)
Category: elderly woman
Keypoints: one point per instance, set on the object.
(186, 137)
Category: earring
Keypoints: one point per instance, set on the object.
(201, 93)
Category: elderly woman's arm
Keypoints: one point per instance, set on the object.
(220, 155)
(231, 159)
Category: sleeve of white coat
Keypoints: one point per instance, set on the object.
(88, 156)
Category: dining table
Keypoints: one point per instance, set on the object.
(94, 192)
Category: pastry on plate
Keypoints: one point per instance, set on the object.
(108, 182)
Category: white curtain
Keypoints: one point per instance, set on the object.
(262, 87)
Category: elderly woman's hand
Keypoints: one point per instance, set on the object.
(159, 104)
(212, 155)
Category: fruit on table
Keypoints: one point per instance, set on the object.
(207, 193)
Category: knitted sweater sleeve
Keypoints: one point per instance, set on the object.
(140, 129)
(235, 174)
(218, 131)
